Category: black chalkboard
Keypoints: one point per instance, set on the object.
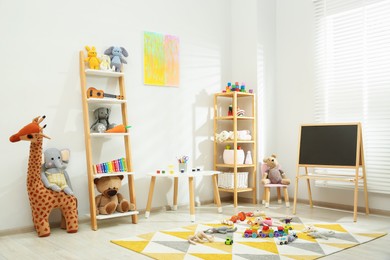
(333, 145)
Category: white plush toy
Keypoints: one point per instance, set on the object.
(314, 233)
(224, 135)
(105, 63)
(243, 135)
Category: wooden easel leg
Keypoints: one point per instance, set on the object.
(263, 198)
(364, 177)
(355, 200)
(309, 188)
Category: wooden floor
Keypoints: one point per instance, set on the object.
(88, 244)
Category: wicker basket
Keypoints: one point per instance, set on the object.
(226, 180)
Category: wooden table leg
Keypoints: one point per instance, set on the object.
(217, 198)
(175, 188)
(192, 198)
(150, 196)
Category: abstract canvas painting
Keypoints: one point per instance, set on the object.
(161, 59)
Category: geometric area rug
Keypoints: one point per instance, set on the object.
(172, 244)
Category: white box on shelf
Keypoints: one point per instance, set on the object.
(226, 180)
(228, 156)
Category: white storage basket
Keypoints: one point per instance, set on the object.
(226, 180)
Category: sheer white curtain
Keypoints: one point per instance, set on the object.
(353, 76)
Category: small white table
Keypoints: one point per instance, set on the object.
(190, 176)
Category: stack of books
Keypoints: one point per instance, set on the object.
(118, 165)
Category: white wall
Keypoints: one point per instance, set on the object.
(294, 103)
(40, 76)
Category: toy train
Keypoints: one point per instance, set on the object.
(270, 232)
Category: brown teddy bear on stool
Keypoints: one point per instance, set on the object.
(273, 174)
(110, 200)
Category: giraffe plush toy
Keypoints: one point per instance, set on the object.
(43, 200)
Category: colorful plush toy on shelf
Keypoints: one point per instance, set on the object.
(116, 54)
(110, 200)
(54, 175)
(92, 59)
(274, 174)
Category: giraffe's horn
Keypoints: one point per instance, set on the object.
(43, 135)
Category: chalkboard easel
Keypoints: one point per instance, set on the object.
(332, 146)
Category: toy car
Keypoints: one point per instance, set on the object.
(283, 240)
(229, 241)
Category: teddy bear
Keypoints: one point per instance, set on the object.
(102, 123)
(92, 59)
(116, 54)
(110, 200)
(274, 175)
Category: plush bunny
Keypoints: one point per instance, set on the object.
(116, 54)
(102, 123)
(92, 59)
(105, 63)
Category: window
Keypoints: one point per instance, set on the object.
(353, 76)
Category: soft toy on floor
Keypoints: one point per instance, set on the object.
(274, 174)
(221, 230)
(314, 233)
(110, 200)
(200, 237)
(102, 123)
(53, 174)
(116, 54)
(92, 59)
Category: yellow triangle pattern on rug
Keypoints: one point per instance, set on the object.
(173, 244)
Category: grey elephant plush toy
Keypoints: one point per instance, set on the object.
(102, 123)
(116, 54)
(53, 174)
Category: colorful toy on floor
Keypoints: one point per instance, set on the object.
(110, 200)
(273, 174)
(53, 175)
(200, 237)
(116, 54)
(220, 230)
(92, 59)
(43, 200)
(229, 241)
